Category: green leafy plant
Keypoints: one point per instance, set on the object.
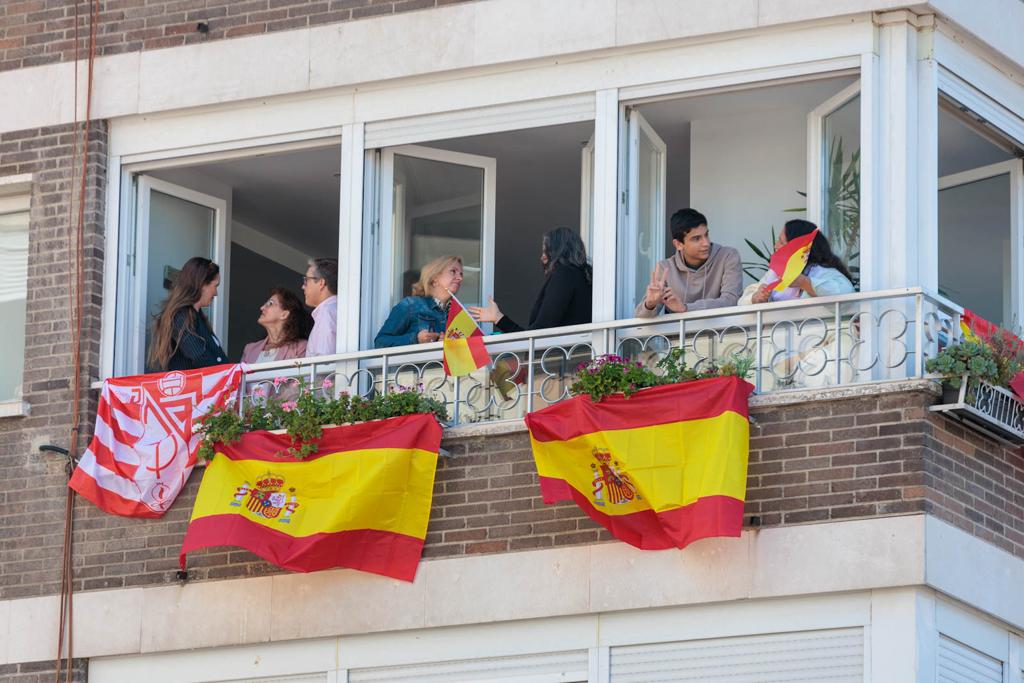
(610, 374)
(975, 359)
(304, 417)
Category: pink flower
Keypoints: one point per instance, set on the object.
(328, 383)
(288, 406)
(278, 381)
(259, 392)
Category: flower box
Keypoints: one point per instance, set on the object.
(985, 407)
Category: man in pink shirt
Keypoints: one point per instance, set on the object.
(320, 285)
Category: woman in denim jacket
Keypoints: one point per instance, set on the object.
(422, 317)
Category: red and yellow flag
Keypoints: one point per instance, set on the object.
(975, 328)
(362, 501)
(788, 262)
(661, 469)
(464, 349)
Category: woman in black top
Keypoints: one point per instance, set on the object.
(565, 298)
(182, 337)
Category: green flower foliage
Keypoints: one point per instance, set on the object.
(304, 417)
(968, 358)
(611, 374)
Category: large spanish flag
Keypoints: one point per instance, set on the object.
(661, 469)
(789, 262)
(464, 349)
(362, 501)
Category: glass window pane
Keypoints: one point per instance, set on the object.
(438, 211)
(840, 218)
(13, 278)
(974, 239)
(650, 230)
(178, 230)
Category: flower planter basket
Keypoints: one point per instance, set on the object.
(992, 410)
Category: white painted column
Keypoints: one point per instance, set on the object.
(350, 237)
(927, 162)
(902, 639)
(606, 202)
(904, 249)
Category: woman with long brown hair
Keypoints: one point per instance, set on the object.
(287, 324)
(182, 336)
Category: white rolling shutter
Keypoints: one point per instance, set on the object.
(828, 655)
(495, 119)
(536, 668)
(959, 663)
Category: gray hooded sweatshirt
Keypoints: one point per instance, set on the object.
(717, 283)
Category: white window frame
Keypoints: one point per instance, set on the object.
(816, 150)
(15, 197)
(122, 201)
(385, 285)
(138, 261)
(637, 127)
(1014, 308)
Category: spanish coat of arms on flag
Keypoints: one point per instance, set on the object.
(661, 469)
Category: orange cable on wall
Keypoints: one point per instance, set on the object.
(76, 253)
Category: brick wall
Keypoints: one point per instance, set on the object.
(34, 32)
(43, 672)
(840, 459)
(32, 486)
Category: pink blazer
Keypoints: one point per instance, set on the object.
(296, 349)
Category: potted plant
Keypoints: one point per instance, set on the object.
(304, 416)
(610, 374)
(966, 361)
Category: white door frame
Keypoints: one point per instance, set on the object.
(1015, 169)
(816, 150)
(637, 125)
(388, 246)
(139, 262)
(587, 196)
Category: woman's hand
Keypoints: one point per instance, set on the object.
(762, 295)
(426, 336)
(486, 314)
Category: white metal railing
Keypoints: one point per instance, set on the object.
(808, 343)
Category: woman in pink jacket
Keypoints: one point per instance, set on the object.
(287, 324)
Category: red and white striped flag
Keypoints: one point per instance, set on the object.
(144, 448)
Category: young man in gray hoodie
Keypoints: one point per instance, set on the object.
(700, 275)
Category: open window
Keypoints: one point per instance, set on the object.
(434, 202)
(748, 159)
(488, 198)
(980, 217)
(642, 239)
(259, 215)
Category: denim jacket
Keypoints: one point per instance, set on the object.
(407, 318)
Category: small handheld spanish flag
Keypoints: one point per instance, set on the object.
(788, 262)
(464, 349)
(975, 328)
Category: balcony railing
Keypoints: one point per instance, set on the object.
(804, 344)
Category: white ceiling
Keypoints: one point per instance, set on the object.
(291, 196)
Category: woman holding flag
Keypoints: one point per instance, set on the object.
(818, 271)
(422, 317)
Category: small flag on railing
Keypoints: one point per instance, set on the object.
(464, 349)
(975, 328)
(788, 262)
